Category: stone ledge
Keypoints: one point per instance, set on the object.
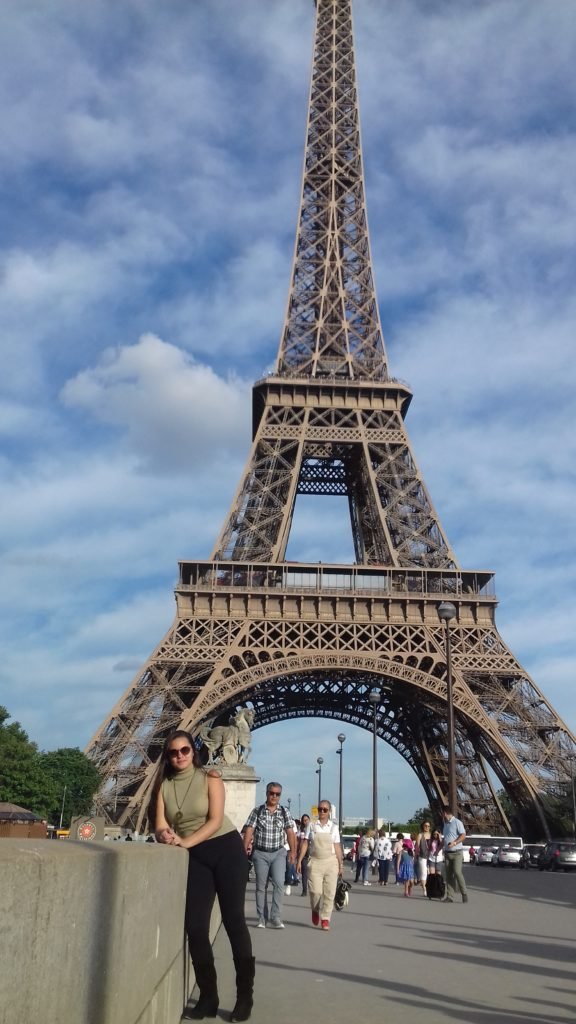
(93, 933)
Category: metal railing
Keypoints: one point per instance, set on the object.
(323, 578)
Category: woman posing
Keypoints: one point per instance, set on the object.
(189, 811)
(322, 843)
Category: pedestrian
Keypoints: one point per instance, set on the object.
(268, 827)
(365, 851)
(188, 808)
(422, 847)
(384, 857)
(453, 836)
(413, 839)
(406, 871)
(303, 857)
(435, 855)
(322, 844)
(356, 853)
(397, 853)
(290, 876)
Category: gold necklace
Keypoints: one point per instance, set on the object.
(179, 814)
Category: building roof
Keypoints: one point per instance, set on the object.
(11, 812)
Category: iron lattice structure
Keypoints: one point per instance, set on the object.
(291, 639)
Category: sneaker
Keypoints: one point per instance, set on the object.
(366, 883)
(315, 918)
(325, 925)
(464, 898)
(276, 924)
(287, 890)
(261, 923)
(446, 899)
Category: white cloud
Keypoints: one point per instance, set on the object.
(172, 408)
(151, 193)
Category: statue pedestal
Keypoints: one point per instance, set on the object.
(240, 785)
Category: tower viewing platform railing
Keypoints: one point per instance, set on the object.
(328, 578)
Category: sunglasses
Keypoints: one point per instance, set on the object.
(324, 810)
(175, 751)
(274, 792)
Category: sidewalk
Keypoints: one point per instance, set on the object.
(506, 957)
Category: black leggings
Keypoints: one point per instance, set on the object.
(217, 867)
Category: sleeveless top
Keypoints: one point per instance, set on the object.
(186, 803)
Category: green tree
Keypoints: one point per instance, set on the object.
(420, 815)
(74, 779)
(22, 779)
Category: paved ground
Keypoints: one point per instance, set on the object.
(506, 957)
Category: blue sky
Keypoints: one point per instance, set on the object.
(149, 174)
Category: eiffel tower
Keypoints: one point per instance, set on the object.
(298, 639)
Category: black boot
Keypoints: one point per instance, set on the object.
(245, 970)
(207, 1004)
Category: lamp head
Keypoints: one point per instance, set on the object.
(374, 697)
(447, 611)
(341, 737)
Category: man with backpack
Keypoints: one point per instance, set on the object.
(268, 828)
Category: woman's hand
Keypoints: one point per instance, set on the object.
(168, 837)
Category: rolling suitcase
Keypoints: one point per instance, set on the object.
(435, 887)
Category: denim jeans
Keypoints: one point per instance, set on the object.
(364, 866)
(269, 866)
(305, 876)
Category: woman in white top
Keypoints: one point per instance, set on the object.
(384, 856)
(365, 852)
(322, 844)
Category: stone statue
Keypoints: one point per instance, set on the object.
(229, 743)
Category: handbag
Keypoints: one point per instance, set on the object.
(341, 898)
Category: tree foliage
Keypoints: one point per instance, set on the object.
(420, 815)
(22, 780)
(75, 779)
(44, 782)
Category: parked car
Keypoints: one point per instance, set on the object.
(530, 854)
(486, 854)
(508, 855)
(560, 853)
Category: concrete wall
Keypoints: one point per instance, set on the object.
(240, 784)
(92, 933)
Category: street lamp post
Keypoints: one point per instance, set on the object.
(62, 807)
(319, 762)
(447, 612)
(374, 698)
(572, 765)
(341, 738)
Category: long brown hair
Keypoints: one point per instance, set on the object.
(166, 770)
